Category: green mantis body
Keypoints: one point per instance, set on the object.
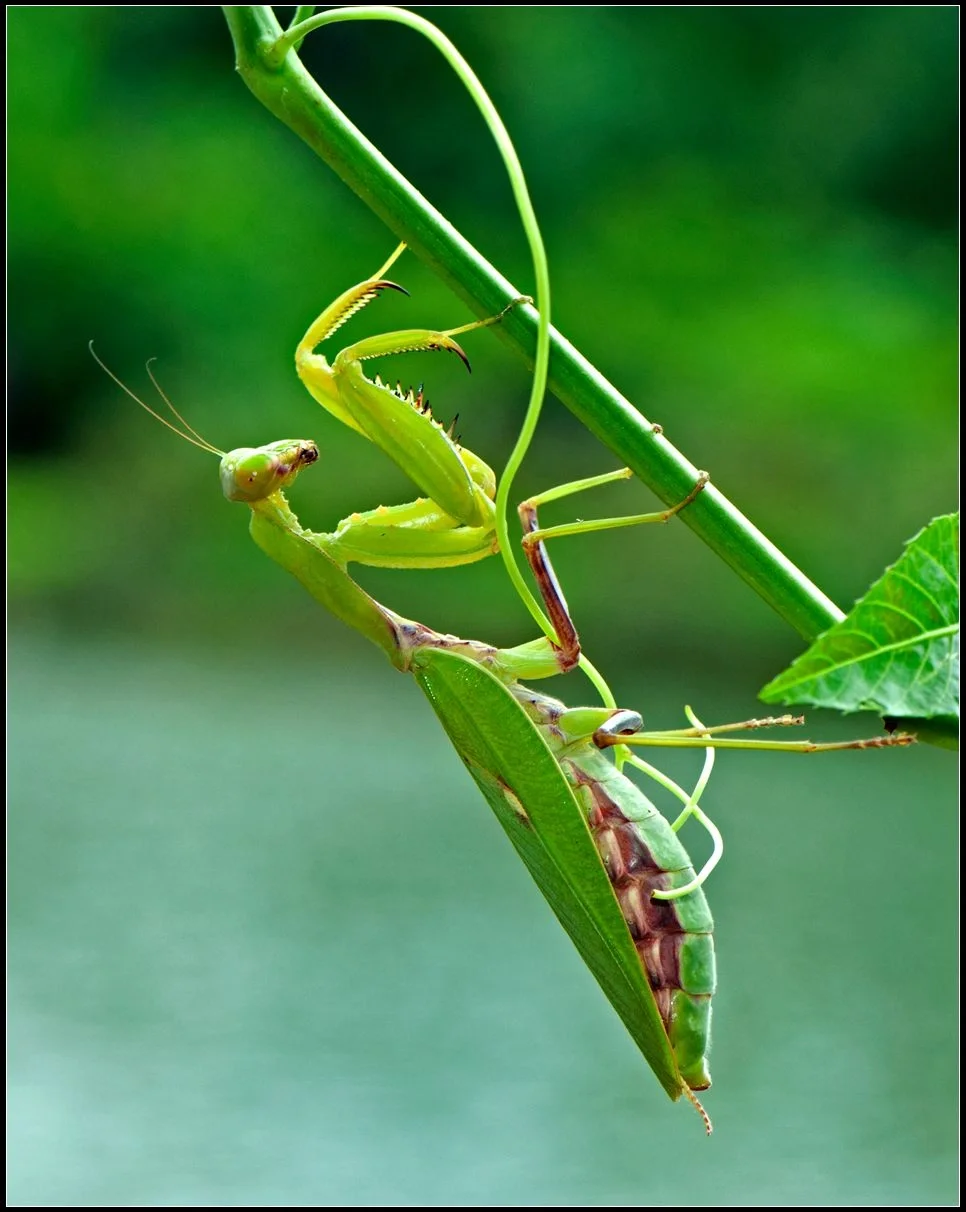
(609, 864)
(593, 842)
(611, 867)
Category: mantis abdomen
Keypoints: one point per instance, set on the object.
(642, 855)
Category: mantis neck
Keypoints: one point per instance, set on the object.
(277, 531)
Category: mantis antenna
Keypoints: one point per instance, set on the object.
(191, 435)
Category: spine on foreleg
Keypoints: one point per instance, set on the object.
(673, 938)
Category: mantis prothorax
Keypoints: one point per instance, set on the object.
(610, 865)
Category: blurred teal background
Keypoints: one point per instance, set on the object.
(267, 946)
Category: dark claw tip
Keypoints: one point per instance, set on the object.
(385, 283)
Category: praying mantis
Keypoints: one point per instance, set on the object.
(610, 865)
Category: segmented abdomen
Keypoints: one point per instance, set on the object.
(642, 854)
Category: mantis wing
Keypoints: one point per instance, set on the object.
(517, 772)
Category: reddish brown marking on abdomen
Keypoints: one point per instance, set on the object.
(654, 925)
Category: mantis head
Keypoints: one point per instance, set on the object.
(249, 473)
(254, 473)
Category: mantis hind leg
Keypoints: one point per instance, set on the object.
(535, 550)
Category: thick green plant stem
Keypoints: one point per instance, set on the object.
(287, 90)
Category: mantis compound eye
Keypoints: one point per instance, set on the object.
(254, 473)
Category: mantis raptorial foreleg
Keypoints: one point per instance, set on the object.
(455, 522)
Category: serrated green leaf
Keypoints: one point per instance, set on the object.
(897, 651)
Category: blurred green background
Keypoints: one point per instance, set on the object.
(266, 944)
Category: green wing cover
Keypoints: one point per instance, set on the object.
(517, 772)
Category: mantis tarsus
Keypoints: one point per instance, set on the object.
(610, 865)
